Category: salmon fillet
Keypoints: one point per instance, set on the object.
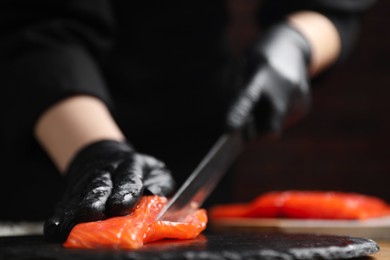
(136, 229)
(305, 205)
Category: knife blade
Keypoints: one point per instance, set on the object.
(204, 178)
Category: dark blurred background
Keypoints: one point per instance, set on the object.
(343, 144)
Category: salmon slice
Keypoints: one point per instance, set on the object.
(306, 205)
(136, 229)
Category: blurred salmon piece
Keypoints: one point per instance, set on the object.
(306, 205)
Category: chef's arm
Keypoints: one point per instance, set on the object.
(50, 74)
(276, 74)
(105, 176)
(323, 38)
(74, 123)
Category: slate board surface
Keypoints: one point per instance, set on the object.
(246, 245)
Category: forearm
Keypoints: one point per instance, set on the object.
(73, 123)
(322, 36)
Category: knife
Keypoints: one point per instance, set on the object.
(204, 178)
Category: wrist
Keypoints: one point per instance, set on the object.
(72, 124)
(322, 36)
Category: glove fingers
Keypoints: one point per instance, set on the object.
(158, 179)
(79, 208)
(268, 116)
(92, 205)
(57, 228)
(288, 103)
(52, 230)
(128, 187)
(160, 182)
(274, 103)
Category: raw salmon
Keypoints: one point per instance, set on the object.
(136, 229)
(306, 205)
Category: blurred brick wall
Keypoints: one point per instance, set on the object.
(344, 143)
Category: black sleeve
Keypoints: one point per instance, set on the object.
(349, 6)
(50, 50)
(346, 15)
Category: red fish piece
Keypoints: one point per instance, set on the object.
(306, 205)
(136, 229)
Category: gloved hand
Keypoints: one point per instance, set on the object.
(107, 178)
(275, 83)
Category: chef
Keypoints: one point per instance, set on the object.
(104, 101)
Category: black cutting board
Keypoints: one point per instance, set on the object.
(227, 245)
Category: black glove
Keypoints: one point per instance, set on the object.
(275, 83)
(107, 178)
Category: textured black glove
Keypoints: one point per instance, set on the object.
(276, 83)
(105, 179)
